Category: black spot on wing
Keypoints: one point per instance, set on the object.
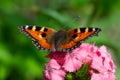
(45, 30)
(82, 30)
(37, 28)
(75, 30)
(90, 29)
(98, 29)
(30, 27)
(43, 35)
(74, 36)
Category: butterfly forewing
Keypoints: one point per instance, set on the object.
(38, 35)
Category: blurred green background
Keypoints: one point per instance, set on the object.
(21, 60)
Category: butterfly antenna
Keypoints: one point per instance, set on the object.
(73, 21)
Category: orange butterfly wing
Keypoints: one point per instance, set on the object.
(78, 35)
(38, 35)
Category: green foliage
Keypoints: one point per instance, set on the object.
(20, 60)
(81, 74)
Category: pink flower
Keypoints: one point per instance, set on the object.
(58, 56)
(98, 59)
(83, 54)
(105, 65)
(53, 71)
(105, 76)
(72, 63)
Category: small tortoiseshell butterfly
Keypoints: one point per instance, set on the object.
(64, 41)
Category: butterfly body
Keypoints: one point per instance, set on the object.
(49, 39)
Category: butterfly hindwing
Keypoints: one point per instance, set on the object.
(38, 35)
(78, 35)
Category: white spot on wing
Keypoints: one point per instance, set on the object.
(34, 27)
(42, 29)
(78, 30)
(86, 30)
(93, 29)
(26, 26)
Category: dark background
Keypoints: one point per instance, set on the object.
(21, 60)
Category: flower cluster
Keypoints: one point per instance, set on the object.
(101, 65)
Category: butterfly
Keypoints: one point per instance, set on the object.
(63, 41)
